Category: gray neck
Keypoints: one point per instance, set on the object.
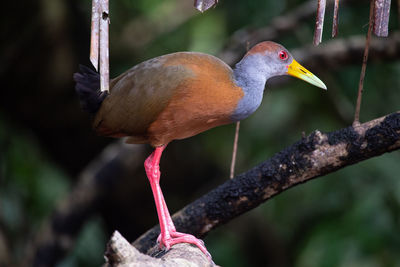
(251, 74)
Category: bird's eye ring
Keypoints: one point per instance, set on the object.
(283, 55)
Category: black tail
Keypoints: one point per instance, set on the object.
(88, 89)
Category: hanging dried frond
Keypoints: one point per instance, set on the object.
(99, 46)
(381, 17)
(94, 34)
(203, 5)
(335, 19)
(356, 121)
(104, 48)
(319, 23)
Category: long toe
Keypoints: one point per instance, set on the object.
(177, 238)
(176, 234)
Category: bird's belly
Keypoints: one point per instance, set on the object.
(186, 115)
(198, 105)
(183, 125)
(201, 100)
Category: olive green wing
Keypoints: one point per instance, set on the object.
(138, 96)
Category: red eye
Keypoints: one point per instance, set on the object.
(283, 55)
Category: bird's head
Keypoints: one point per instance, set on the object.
(273, 59)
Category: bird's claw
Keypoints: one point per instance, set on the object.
(177, 237)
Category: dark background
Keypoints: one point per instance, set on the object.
(349, 218)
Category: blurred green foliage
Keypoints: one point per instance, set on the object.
(349, 218)
(30, 185)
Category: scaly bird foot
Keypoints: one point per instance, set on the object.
(173, 234)
(177, 237)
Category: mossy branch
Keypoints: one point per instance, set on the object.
(311, 157)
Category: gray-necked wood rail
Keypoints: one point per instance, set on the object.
(179, 95)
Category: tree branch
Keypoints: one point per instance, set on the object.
(120, 253)
(311, 157)
(119, 161)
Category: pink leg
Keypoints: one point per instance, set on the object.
(168, 236)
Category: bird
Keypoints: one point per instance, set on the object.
(177, 96)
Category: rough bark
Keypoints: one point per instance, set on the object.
(120, 253)
(118, 160)
(311, 157)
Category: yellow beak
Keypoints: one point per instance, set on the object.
(297, 70)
